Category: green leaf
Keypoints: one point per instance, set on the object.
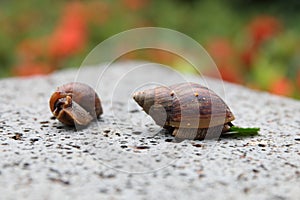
(243, 132)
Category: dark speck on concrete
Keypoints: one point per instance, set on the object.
(136, 132)
(262, 145)
(58, 180)
(106, 131)
(141, 147)
(17, 136)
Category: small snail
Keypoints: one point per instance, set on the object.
(188, 110)
(75, 104)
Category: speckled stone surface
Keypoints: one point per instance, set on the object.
(124, 154)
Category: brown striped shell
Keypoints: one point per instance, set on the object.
(75, 104)
(184, 105)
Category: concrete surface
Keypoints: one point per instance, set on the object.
(124, 155)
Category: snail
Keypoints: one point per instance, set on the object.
(75, 104)
(187, 110)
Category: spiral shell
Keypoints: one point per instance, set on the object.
(185, 106)
(75, 104)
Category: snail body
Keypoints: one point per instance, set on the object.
(188, 110)
(75, 104)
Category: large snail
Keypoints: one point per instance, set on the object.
(188, 110)
(75, 104)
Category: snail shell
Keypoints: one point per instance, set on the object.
(189, 110)
(75, 104)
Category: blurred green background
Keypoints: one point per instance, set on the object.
(253, 42)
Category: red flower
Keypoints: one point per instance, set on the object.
(282, 86)
(263, 28)
(30, 49)
(248, 55)
(220, 50)
(30, 69)
(71, 33)
(298, 81)
(224, 55)
(230, 73)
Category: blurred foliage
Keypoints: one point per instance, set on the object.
(253, 42)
